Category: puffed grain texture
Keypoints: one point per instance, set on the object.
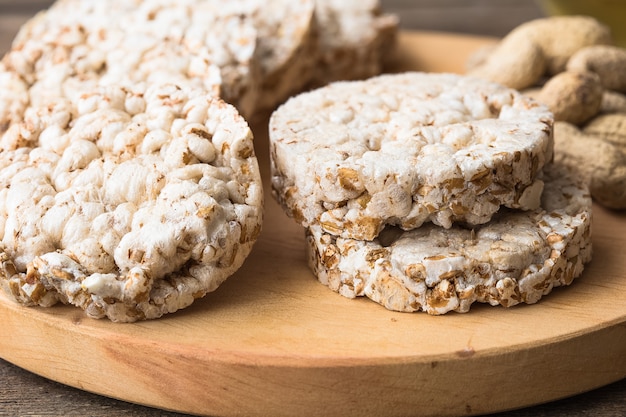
(287, 51)
(205, 43)
(355, 39)
(516, 258)
(128, 201)
(404, 149)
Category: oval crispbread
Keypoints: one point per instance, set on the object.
(206, 44)
(129, 202)
(355, 39)
(404, 149)
(517, 257)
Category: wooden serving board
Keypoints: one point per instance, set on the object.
(272, 341)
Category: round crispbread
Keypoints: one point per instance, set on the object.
(355, 39)
(128, 201)
(404, 149)
(287, 49)
(517, 257)
(207, 44)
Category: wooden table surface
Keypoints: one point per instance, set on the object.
(25, 394)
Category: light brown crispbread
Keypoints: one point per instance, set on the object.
(355, 39)
(129, 202)
(404, 149)
(518, 257)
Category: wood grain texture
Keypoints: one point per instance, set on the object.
(23, 393)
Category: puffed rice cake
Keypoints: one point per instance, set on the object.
(252, 53)
(356, 39)
(128, 201)
(205, 43)
(404, 149)
(287, 49)
(518, 257)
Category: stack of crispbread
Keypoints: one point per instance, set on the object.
(429, 192)
(129, 184)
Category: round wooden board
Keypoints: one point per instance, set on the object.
(272, 341)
